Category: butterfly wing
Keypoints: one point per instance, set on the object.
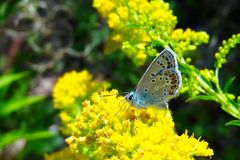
(166, 85)
(161, 81)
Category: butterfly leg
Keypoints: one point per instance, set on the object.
(163, 105)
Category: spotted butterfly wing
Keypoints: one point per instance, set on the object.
(160, 82)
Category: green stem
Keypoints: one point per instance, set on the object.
(228, 106)
(217, 81)
(221, 98)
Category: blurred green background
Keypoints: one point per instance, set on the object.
(41, 40)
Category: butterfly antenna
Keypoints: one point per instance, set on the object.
(117, 112)
(121, 93)
(106, 95)
(121, 104)
(128, 107)
(166, 105)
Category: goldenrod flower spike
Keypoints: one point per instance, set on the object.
(65, 154)
(136, 134)
(70, 91)
(141, 26)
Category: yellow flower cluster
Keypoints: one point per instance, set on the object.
(136, 23)
(65, 154)
(209, 75)
(140, 26)
(223, 50)
(70, 91)
(182, 41)
(105, 129)
(191, 82)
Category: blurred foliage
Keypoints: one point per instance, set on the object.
(15, 132)
(47, 38)
(18, 99)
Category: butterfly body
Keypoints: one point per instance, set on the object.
(159, 83)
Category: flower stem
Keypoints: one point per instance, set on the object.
(220, 97)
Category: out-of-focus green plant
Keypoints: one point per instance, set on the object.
(12, 100)
(5, 9)
(140, 29)
(19, 99)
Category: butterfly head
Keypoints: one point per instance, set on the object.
(133, 100)
(129, 97)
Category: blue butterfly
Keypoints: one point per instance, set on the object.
(159, 84)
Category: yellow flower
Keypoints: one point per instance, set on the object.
(183, 41)
(123, 12)
(72, 86)
(137, 22)
(146, 22)
(141, 57)
(70, 91)
(108, 128)
(65, 154)
(208, 74)
(223, 50)
(114, 20)
(104, 6)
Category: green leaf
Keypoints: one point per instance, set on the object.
(133, 25)
(13, 105)
(157, 43)
(201, 97)
(3, 9)
(10, 137)
(14, 135)
(233, 123)
(39, 135)
(8, 79)
(228, 84)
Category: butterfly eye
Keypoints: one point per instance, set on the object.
(130, 97)
(146, 90)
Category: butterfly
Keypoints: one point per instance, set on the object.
(159, 84)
